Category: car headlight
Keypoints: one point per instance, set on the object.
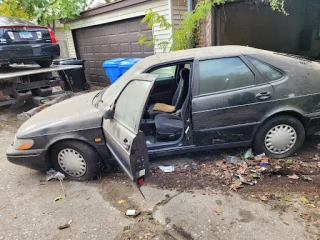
(22, 144)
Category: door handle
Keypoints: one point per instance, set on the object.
(263, 95)
(126, 144)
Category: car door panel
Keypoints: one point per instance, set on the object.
(123, 138)
(229, 116)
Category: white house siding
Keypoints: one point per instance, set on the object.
(160, 6)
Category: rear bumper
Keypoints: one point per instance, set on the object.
(34, 159)
(28, 52)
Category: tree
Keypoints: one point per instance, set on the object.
(45, 12)
(12, 8)
(183, 35)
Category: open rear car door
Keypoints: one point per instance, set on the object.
(121, 128)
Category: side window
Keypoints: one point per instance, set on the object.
(129, 103)
(165, 72)
(267, 71)
(224, 74)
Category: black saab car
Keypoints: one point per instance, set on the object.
(24, 42)
(178, 102)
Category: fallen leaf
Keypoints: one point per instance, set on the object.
(121, 201)
(15, 215)
(316, 157)
(293, 176)
(304, 200)
(235, 185)
(219, 202)
(65, 225)
(263, 198)
(218, 210)
(278, 167)
(318, 203)
(310, 205)
(233, 222)
(219, 163)
(241, 170)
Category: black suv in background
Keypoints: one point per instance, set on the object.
(24, 42)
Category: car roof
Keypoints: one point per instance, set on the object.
(14, 21)
(202, 53)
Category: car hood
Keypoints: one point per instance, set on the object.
(76, 113)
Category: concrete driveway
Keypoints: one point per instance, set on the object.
(28, 210)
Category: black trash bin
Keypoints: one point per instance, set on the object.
(76, 77)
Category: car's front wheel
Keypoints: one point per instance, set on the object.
(43, 63)
(279, 137)
(77, 160)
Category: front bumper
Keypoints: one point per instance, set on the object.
(34, 159)
(29, 52)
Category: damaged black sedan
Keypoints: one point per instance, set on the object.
(178, 102)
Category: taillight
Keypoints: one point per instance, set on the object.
(53, 39)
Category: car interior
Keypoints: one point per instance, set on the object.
(163, 120)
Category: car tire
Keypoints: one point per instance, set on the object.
(44, 63)
(276, 132)
(77, 160)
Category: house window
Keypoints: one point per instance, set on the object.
(224, 74)
(267, 71)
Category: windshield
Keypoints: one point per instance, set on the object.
(110, 93)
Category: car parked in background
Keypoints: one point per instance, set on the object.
(22, 41)
(172, 103)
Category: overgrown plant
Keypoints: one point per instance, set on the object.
(183, 35)
(44, 12)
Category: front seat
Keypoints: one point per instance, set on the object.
(169, 127)
(179, 95)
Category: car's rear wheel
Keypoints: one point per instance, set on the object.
(77, 160)
(43, 63)
(279, 137)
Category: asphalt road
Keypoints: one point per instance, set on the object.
(28, 210)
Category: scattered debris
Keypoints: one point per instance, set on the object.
(293, 176)
(163, 202)
(304, 200)
(259, 157)
(15, 215)
(121, 201)
(306, 178)
(148, 217)
(248, 153)
(219, 202)
(265, 161)
(263, 198)
(231, 159)
(167, 169)
(125, 228)
(218, 210)
(65, 225)
(132, 213)
(235, 185)
(57, 199)
(53, 174)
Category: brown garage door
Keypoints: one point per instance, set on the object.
(102, 42)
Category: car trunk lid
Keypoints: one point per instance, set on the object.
(25, 35)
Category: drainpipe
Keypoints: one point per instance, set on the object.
(190, 7)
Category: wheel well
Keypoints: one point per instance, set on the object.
(292, 114)
(287, 113)
(48, 160)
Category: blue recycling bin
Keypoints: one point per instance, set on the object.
(127, 64)
(111, 67)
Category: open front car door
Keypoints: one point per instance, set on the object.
(121, 128)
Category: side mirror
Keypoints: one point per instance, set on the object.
(108, 113)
